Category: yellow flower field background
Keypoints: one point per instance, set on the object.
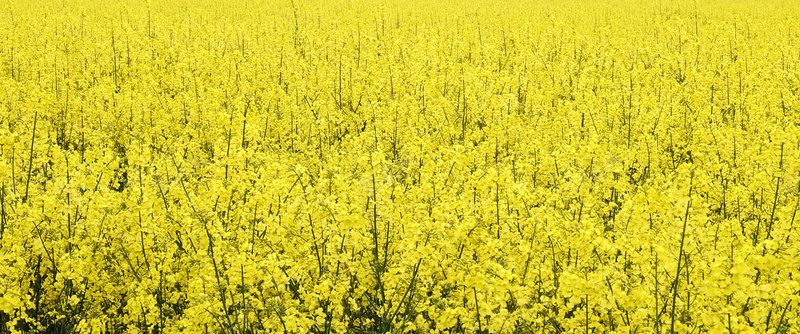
(399, 166)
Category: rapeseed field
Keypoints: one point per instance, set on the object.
(392, 166)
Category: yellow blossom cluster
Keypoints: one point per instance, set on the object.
(364, 166)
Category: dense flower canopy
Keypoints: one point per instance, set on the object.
(399, 166)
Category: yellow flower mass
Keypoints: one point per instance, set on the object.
(364, 166)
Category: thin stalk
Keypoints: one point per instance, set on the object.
(680, 257)
(30, 160)
(477, 310)
(3, 218)
(316, 247)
